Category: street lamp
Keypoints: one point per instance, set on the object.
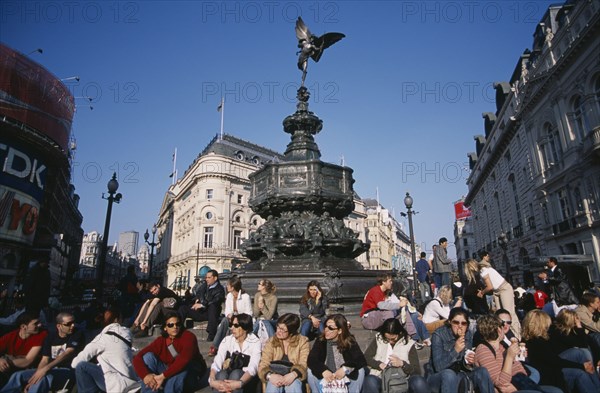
(112, 186)
(408, 202)
(152, 245)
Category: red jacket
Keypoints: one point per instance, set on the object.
(186, 346)
(374, 296)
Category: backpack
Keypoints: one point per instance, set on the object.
(394, 380)
(424, 305)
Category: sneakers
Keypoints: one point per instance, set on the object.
(419, 345)
(212, 351)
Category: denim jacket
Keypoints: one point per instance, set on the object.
(443, 354)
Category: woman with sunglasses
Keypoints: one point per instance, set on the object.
(265, 306)
(236, 363)
(392, 348)
(289, 346)
(451, 356)
(172, 361)
(237, 301)
(336, 356)
(313, 307)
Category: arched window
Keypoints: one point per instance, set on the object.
(581, 124)
(549, 146)
(597, 94)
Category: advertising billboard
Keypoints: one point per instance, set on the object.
(460, 211)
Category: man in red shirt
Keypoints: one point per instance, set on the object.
(21, 348)
(374, 308)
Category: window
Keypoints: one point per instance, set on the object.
(209, 193)
(563, 203)
(516, 199)
(209, 216)
(549, 146)
(208, 237)
(578, 200)
(581, 125)
(597, 89)
(237, 239)
(239, 155)
(240, 199)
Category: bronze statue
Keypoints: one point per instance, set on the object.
(312, 46)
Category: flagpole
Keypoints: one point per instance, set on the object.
(222, 114)
(175, 167)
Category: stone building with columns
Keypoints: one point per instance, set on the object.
(534, 187)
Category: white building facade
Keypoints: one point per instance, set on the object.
(534, 186)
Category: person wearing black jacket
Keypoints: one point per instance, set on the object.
(336, 355)
(207, 304)
(558, 286)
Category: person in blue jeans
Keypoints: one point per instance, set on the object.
(313, 307)
(172, 362)
(450, 360)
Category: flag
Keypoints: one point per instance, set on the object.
(220, 106)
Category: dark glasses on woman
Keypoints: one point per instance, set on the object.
(235, 325)
(172, 325)
(459, 323)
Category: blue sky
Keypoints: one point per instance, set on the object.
(401, 96)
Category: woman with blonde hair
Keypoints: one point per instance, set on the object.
(543, 354)
(438, 309)
(265, 307)
(504, 296)
(477, 304)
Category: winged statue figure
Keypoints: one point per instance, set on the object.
(311, 45)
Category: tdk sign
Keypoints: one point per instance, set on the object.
(22, 171)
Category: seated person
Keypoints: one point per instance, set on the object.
(449, 357)
(113, 371)
(207, 304)
(289, 346)
(438, 309)
(506, 372)
(313, 309)
(237, 301)
(393, 349)
(20, 349)
(374, 309)
(235, 366)
(54, 370)
(172, 362)
(264, 308)
(153, 309)
(336, 357)
(589, 315)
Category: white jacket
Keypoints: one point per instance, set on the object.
(384, 350)
(114, 357)
(251, 346)
(244, 304)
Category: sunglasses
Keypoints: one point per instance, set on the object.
(331, 328)
(507, 322)
(68, 324)
(235, 325)
(172, 325)
(459, 323)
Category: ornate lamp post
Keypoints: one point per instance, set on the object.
(112, 186)
(408, 202)
(152, 244)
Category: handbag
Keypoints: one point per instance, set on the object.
(281, 367)
(237, 361)
(335, 386)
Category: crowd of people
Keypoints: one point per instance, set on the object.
(550, 343)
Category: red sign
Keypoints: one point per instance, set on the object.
(460, 211)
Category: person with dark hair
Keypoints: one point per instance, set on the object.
(264, 308)
(392, 350)
(153, 310)
(336, 358)
(237, 302)
(289, 346)
(129, 292)
(589, 315)
(172, 362)
(422, 268)
(20, 348)
(556, 280)
(506, 372)
(235, 366)
(54, 369)
(452, 357)
(313, 309)
(207, 304)
(442, 266)
(113, 371)
(374, 306)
